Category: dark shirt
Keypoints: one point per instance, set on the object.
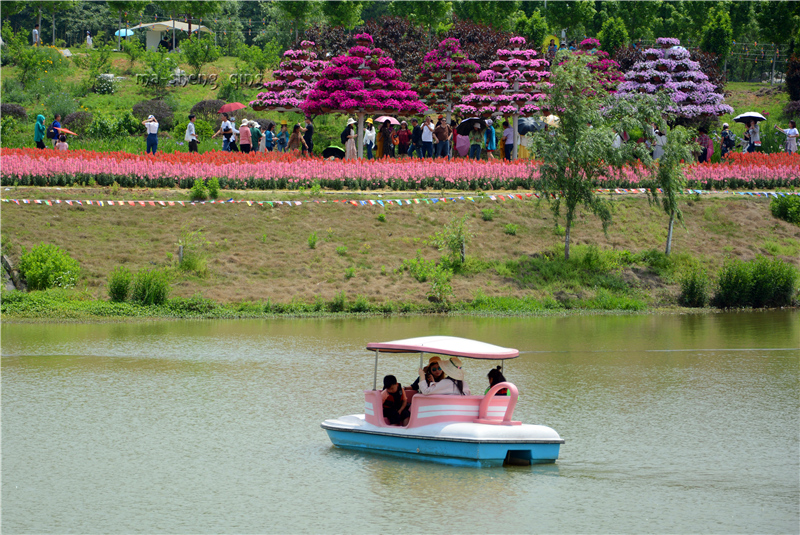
(308, 133)
(416, 136)
(440, 132)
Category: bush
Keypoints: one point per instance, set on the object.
(60, 103)
(14, 110)
(47, 266)
(78, 122)
(760, 283)
(382, 218)
(14, 92)
(312, 240)
(213, 187)
(786, 207)
(208, 110)
(119, 284)
(201, 128)
(487, 214)
(8, 124)
(733, 285)
(161, 109)
(792, 109)
(150, 287)
(341, 250)
(112, 127)
(104, 84)
(230, 92)
(511, 229)
(695, 288)
(198, 191)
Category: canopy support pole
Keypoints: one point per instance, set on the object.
(375, 375)
(360, 133)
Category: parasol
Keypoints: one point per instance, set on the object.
(333, 151)
(466, 126)
(65, 131)
(380, 120)
(529, 124)
(749, 116)
(231, 106)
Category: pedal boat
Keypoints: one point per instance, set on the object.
(461, 430)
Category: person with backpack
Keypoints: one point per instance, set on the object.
(348, 137)
(728, 140)
(52, 133)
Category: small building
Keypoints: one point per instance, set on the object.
(155, 29)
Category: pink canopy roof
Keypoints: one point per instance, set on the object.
(446, 345)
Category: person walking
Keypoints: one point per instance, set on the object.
(508, 138)
(308, 136)
(387, 136)
(791, 136)
(349, 136)
(283, 137)
(416, 139)
(755, 137)
(404, 139)
(440, 133)
(39, 132)
(727, 140)
(427, 138)
(269, 138)
(369, 137)
(475, 140)
(191, 135)
(35, 35)
(52, 132)
(89, 41)
(234, 132)
(245, 138)
(151, 124)
(490, 139)
(226, 131)
(296, 140)
(255, 135)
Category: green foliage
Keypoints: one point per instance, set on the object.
(150, 287)
(613, 35)
(382, 218)
(718, 33)
(201, 128)
(132, 48)
(230, 92)
(786, 207)
(113, 126)
(341, 250)
(349, 273)
(487, 214)
(8, 124)
(343, 13)
(312, 240)
(419, 268)
(259, 60)
(759, 283)
(160, 71)
(105, 84)
(793, 77)
(695, 288)
(200, 51)
(60, 103)
(213, 186)
(95, 62)
(198, 191)
(496, 14)
(47, 266)
(453, 239)
(511, 229)
(194, 245)
(119, 284)
(338, 303)
(441, 290)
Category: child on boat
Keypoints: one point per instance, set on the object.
(495, 376)
(395, 403)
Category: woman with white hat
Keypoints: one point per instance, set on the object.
(151, 124)
(453, 382)
(350, 146)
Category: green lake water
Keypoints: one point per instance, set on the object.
(673, 424)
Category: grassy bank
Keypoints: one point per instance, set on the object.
(259, 260)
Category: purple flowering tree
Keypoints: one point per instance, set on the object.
(363, 81)
(514, 86)
(445, 76)
(669, 69)
(293, 80)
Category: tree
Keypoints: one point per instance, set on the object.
(639, 17)
(199, 52)
(52, 7)
(670, 178)
(497, 14)
(428, 14)
(297, 11)
(778, 20)
(534, 28)
(614, 35)
(718, 33)
(127, 7)
(574, 16)
(231, 27)
(345, 13)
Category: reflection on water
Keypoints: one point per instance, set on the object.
(685, 422)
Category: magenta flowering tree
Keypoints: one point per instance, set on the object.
(445, 76)
(293, 80)
(515, 85)
(606, 70)
(363, 81)
(669, 69)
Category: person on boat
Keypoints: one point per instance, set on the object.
(453, 382)
(395, 403)
(433, 373)
(495, 376)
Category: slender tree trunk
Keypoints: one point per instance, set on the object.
(119, 33)
(463, 252)
(54, 28)
(669, 233)
(566, 240)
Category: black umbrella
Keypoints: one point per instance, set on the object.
(466, 126)
(749, 116)
(529, 124)
(334, 151)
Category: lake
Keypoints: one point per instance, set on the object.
(673, 423)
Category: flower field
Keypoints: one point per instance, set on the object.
(287, 171)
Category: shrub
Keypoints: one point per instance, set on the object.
(78, 122)
(14, 110)
(695, 288)
(382, 218)
(338, 304)
(349, 273)
(198, 191)
(341, 250)
(119, 284)
(150, 287)
(195, 304)
(440, 290)
(104, 84)
(419, 268)
(201, 128)
(792, 109)
(161, 109)
(786, 207)
(511, 229)
(230, 92)
(733, 285)
(60, 104)
(194, 246)
(14, 92)
(453, 239)
(113, 126)
(8, 124)
(312, 240)
(47, 266)
(487, 214)
(360, 304)
(772, 282)
(213, 187)
(133, 49)
(208, 110)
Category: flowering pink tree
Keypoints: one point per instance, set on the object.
(445, 76)
(669, 69)
(514, 86)
(294, 79)
(363, 81)
(605, 70)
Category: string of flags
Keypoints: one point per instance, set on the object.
(368, 202)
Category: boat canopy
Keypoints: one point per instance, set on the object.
(446, 345)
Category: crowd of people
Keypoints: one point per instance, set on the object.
(440, 376)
